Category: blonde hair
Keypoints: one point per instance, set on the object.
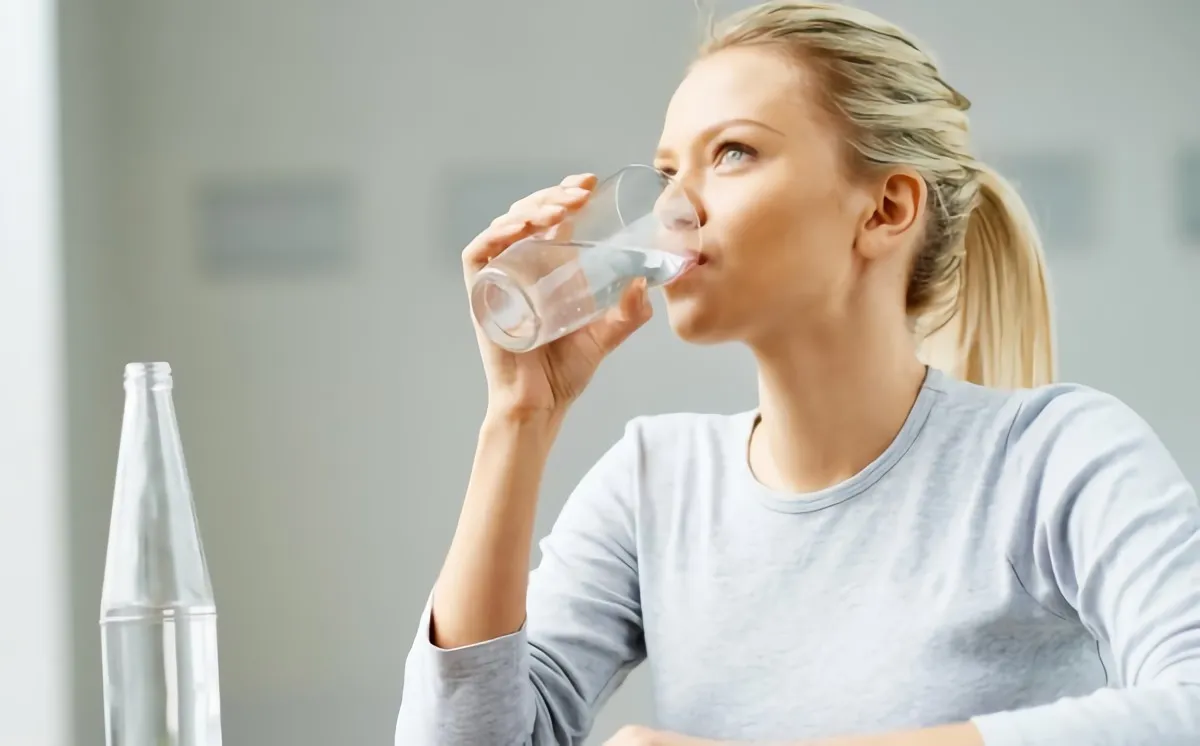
(978, 293)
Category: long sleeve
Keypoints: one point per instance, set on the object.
(542, 685)
(1115, 543)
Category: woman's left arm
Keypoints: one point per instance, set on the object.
(1114, 543)
(1112, 540)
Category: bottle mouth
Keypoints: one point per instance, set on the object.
(154, 375)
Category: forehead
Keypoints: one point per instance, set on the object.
(750, 82)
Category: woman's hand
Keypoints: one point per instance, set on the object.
(636, 735)
(544, 381)
(961, 734)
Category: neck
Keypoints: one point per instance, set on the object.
(831, 402)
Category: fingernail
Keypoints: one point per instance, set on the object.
(575, 179)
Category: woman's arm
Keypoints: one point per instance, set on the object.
(487, 566)
(963, 734)
(481, 671)
(1115, 544)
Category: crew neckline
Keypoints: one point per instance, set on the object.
(785, 501)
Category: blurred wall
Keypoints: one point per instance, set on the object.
(329, 418)
(35, 664)
(99, 278)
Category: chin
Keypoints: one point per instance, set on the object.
(695, 322)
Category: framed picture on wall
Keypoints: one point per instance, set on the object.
(474, 195)
(1187, 195)
(1061, 189)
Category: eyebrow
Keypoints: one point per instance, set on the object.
(711, 130)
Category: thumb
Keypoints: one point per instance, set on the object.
(628, 316)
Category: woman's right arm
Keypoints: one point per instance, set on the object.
(502, 656)
(480, 593)
(481, 672)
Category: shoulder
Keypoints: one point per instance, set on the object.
(652, 455)
(655, 447)
(1059, 416)
(1050, 444)
(969, 418)
(1075, 419)
(668, 431)
(663, 439)
(1077, 448)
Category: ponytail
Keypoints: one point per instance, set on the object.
(1001, 333)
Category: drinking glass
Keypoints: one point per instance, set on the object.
(637, 223)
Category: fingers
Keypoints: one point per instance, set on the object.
(570, 193)
(538, 212)
(636, 735)
(492, 241)
(587, 181)
(628, 316)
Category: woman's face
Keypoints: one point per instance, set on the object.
(746, 137)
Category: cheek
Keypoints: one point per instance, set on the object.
(788, 236)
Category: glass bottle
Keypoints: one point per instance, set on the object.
(158, 618)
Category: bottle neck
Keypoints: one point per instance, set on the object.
(155, 558)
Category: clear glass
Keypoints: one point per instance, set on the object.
(158, 618)
(637, 223)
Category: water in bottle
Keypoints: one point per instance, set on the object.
(158, 617)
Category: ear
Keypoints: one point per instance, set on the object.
(894, 219)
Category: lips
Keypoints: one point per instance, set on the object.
(696, 261)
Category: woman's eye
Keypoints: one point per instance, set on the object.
(733, 154)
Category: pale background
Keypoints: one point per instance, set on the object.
(329, 400)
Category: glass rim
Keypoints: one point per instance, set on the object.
(665, 179)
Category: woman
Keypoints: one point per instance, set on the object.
(882, 552)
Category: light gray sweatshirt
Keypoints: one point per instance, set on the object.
(1026, 560)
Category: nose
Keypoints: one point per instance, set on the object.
(680, 207)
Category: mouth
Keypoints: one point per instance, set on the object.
(692, 265)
